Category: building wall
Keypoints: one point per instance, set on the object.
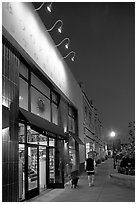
(10, 97)
(16, 21)
(48, 58)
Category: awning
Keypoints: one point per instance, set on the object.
(5, 117)
(78, 140)
(42, 124)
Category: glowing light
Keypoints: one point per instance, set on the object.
(112, 134)
(49, 7)
(20, 98)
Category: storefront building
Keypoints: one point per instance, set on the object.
(92, 130)
(42, 116)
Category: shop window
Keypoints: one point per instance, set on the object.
(71, 124)
(72, 112)
(51, 142)
(21, 171)
(52, 165)
(42, 140)
(23, 94)
(21, 133)
(32, 168)
(54, 114)
(35, 81)
(34, 137)
(42, 167)
(40, 105)
(72, 159)
(23, 70)
(71, 142)
(55, 98)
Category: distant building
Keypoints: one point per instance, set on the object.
(114, 144)
(93, 130)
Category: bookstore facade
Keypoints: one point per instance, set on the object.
(40, 116)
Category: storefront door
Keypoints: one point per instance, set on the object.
(32, 173)
(55, 177)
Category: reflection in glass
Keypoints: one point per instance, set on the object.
(72, 159)
(34, 137)
(42, 167)
(32, 168)
(52, 165)
(21, 133)
(54, 114)
(35, 81)
(21, 171)
(71, 124)
(23, 94)
(51, 142)
(23, 70)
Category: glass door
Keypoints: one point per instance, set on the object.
(32, 184)
(42, 168)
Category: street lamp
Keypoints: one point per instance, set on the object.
(37, 9)
(59, 29)
(72, 58)
(66, 45)
(49, 7)
(113, 134)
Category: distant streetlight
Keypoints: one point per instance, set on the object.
(113, 134)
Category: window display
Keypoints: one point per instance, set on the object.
(52, 165)
(23, 94)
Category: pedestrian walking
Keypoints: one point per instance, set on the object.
(90, 168)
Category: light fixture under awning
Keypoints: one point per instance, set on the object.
(78, 140)
(42, 124)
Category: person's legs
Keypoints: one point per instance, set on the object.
(89, 180)
(92, 179)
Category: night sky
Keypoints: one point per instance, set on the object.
(103, 37)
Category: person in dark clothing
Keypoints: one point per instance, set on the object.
(90, 168)
(74, 179)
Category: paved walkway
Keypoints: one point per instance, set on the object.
(103, 191)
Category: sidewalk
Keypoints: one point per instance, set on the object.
(103, 191)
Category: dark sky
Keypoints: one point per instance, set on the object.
(103, 37)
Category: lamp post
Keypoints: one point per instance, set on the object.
(49, 7)
(113, 134)
(59, 29)
(66, 44)
(72, 58)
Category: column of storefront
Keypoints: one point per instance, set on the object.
(10, 106)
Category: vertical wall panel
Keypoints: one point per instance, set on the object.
(10, 99)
